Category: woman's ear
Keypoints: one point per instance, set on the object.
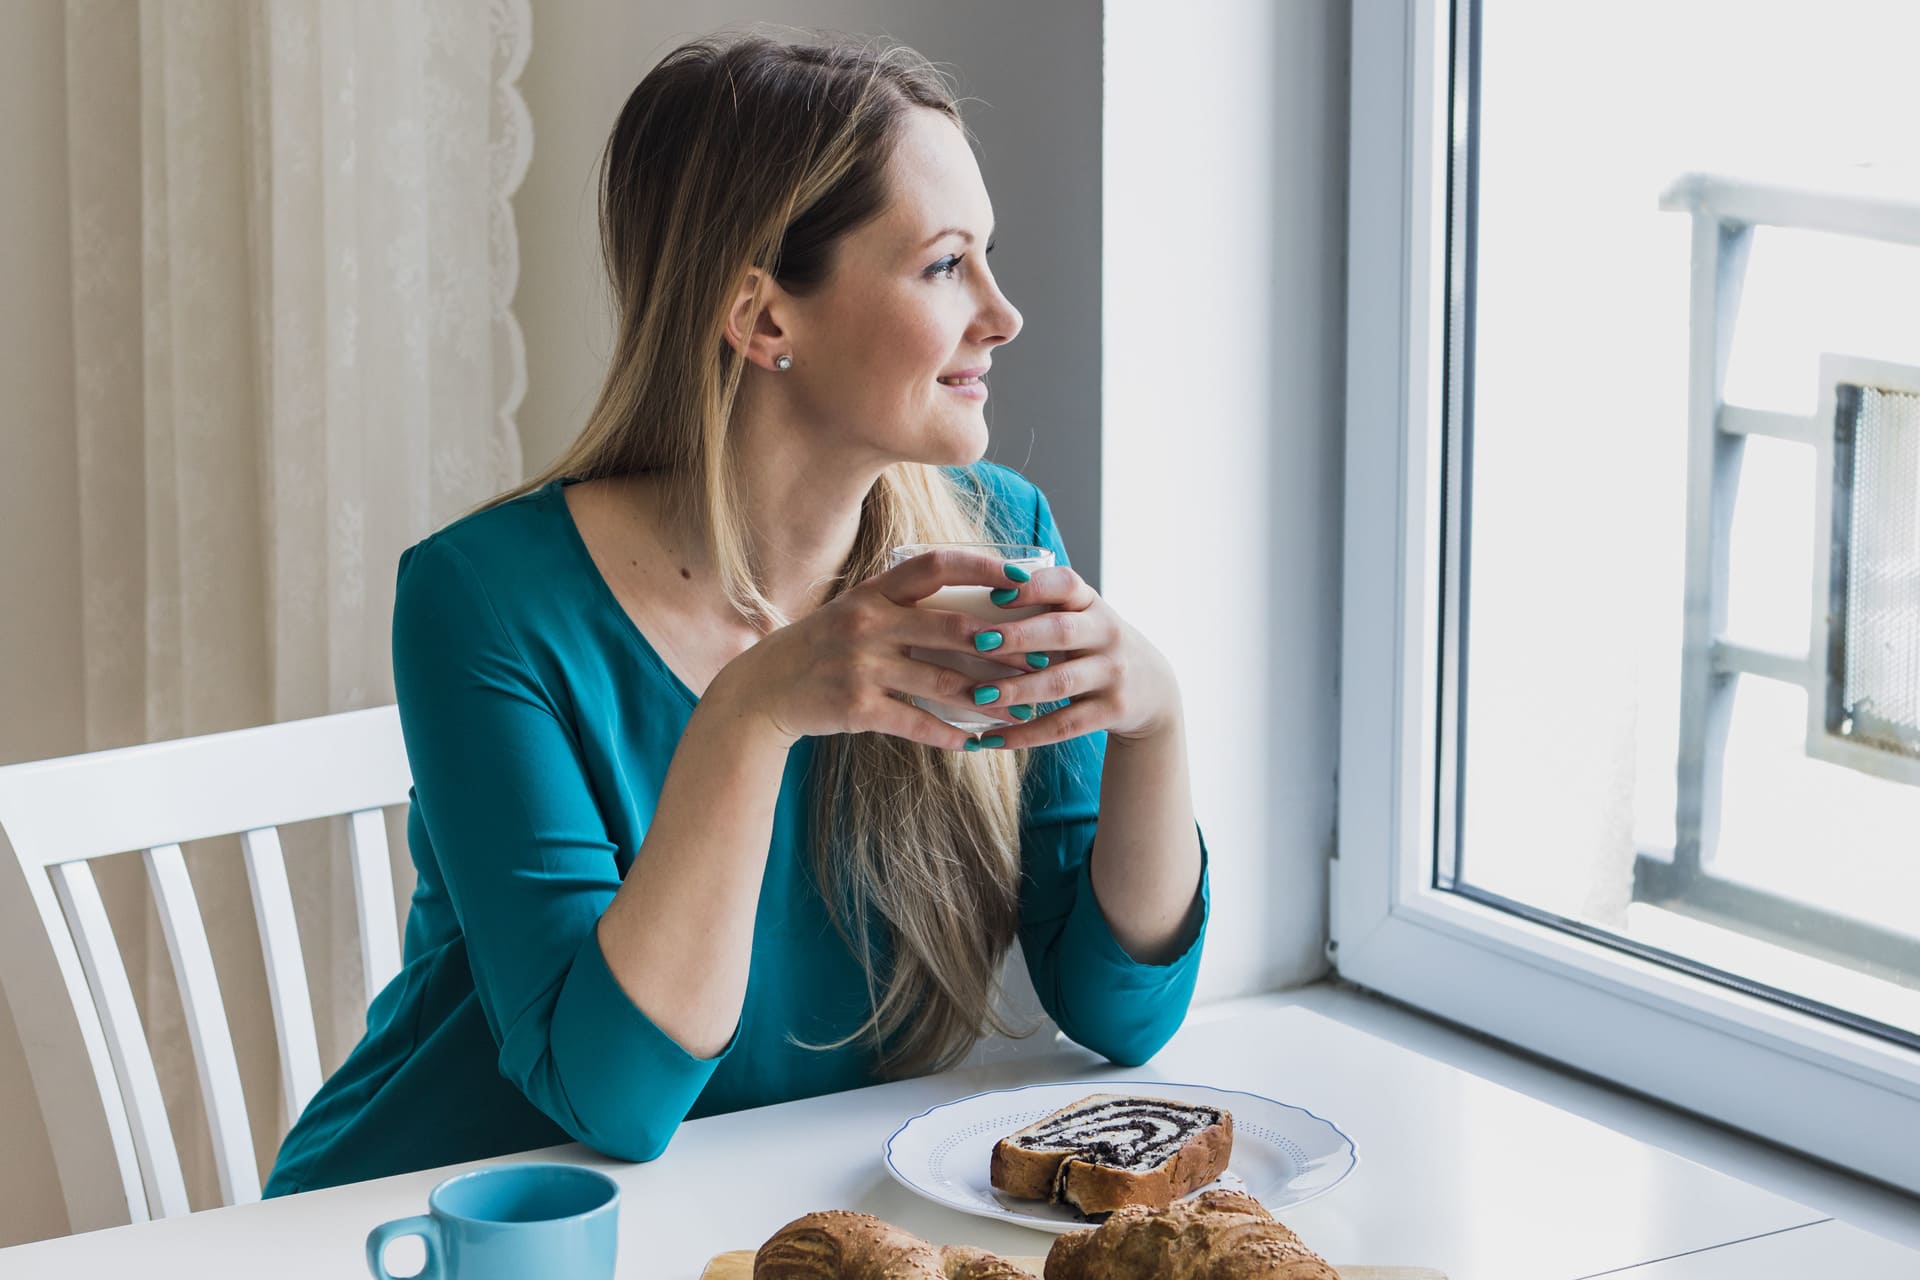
(767, 340)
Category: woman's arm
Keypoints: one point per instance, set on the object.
(678, 936)
(1114, 908)
(1107, 679)
(1146, 850)
(612, 1001)
(1109, 988)
(530, 868)
(1114, 902)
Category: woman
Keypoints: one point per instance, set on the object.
(683, 846)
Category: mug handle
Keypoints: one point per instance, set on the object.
(386, 1233)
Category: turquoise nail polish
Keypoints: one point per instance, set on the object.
(1038, 660)
(1021, 712)
(1004, 595)
(973, 744)
(984, 694)
(994, 741)
(987, 641)
(1018, 574)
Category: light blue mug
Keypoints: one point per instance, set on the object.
(511, 1221)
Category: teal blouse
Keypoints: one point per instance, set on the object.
(539, 724)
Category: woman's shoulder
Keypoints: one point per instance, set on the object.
(1016, 508)
(519, 543)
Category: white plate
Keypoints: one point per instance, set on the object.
(1282, 1155)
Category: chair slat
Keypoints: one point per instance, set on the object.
(126, 1038)
(373, 892)
(86, 1051)
(293, 1024)
(206, 1024)
(67, 1059)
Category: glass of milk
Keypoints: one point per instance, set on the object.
(977, 602)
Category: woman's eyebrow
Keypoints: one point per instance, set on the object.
(962, 232)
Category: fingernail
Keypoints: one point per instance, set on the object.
(1004, 595)
(1021, 712)
(984, 694)
(986, 641)
(1038, 660)
(993, 741)
(1017, 574)
(973, 744)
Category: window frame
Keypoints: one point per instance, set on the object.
(1799, 1080)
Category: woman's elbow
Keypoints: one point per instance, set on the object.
(1133, 1051)
(1124, 1046)
(638, 1147)
(616, 1122)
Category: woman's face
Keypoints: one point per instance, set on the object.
(909, 308)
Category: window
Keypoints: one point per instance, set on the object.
(1633, 585)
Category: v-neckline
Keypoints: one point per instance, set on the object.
(555, 493)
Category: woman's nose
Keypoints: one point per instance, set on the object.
(1001, 319)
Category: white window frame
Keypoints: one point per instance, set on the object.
(1834, 1093)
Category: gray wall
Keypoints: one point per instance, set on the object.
(1037, 68)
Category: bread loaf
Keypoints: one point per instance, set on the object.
(1217, 1235)
(1111, 1150)
(839, 1244)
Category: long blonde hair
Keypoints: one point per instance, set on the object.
(744, 151)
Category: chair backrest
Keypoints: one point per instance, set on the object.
(71, 998)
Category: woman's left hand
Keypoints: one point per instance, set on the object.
(1082, 650)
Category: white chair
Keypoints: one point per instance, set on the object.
(85, 1047)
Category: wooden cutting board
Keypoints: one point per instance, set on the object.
(738, 1265)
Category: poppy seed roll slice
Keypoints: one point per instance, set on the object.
(1112, 1149)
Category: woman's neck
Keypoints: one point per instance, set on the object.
(803, 514)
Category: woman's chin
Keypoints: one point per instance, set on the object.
(950, 448)
(941, 435)
(966, 455)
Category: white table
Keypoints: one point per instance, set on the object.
(1455, 1173)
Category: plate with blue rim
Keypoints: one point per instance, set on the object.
(1283, 1154)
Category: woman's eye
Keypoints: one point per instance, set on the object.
(948, 266)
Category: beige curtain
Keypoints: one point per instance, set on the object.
(292, 262)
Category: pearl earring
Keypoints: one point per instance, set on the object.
(783, 363)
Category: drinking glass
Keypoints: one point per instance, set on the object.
(976, 602)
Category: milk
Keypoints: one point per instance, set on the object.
(976, 602)
(981, 668)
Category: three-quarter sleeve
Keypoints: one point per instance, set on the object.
(529, 867)
(1100, 995)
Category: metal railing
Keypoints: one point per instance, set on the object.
(1725, 212)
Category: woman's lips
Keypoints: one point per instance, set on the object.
(974, 387)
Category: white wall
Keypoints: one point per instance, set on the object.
(1224, 373)
(1037, 67)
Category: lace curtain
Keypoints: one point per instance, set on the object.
(293, 256)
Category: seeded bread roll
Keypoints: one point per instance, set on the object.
(839, 1244)
(1113, 1149)
(1217, 1235)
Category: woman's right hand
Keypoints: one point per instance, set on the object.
(840, 668)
